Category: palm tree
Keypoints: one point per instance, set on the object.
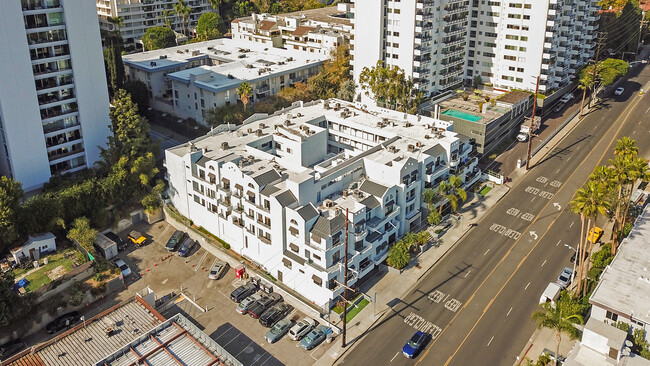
(423, 237)
(183, 10)
(456, 192)
(116, 21)
(166, 15)
(584, 84)
(552, 318)
(216, 5)
(244, 91)
(434, 217)
(626, 146)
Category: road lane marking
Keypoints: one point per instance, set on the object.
(509, 312)
(646, 112)
(453, 305)
(542, 179)
(423, 325)
(391, 360)
(436, 296)
(558, 243)
(486, 252)
(527, 216)
(533, 199)
(467, 274)
(569, 158)
(543, 263)
(570, 226)
(531, 250)
(557, 171)
(526, 288)
(490, 341)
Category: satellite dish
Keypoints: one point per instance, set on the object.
(625, 352)
(628, 343)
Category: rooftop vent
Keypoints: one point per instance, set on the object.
(411, 147)
(392, 149)
(328, 203)
(162, 57)
(259, 132)
(224, 145)
(262, 125)
(153, 63)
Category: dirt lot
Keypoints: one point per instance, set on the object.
(165, 272)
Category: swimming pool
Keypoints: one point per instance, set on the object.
(461, 115)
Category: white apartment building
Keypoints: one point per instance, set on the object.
(512, 42)
(53, 94)
(425, 38)
(317, 31)
(138, 15)
(277, 188)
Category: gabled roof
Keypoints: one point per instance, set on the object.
(286, 198)
(269, 190)
(373, 188)
(370, 202)
(307, 212)
(267, 177)
(301, 30)
(324, 227)
(266, 25)
(435, 150)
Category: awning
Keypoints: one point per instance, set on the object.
(391, 202)
(238, 186)
(316, 238)
(286, 262)
(294, 247)
(225, 180)
(250, 194)
(293, 231)
(317, 280)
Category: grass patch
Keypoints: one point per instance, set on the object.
(485, 190)
(39, 278)
(352, 310)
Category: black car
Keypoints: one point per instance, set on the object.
(186, 247)
(176, 238)
(11, 348)
(275, 313)
(121, 245)
(242, 292)
(62, 322)
(264, 303)
(573, 257)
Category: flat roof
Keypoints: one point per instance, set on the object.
(624, 286)
(326, 14)
(456, 107)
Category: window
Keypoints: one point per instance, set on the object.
(611, 316)
(511, 58)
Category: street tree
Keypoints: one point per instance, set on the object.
(434, 217)
(555, 319)
(455, 192)
(11, 192)
(158, 37)
(183, 10)
(210, 26)
(245, 91)
(390, 86)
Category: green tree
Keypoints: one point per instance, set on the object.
(151, 201)
(434, 217)
(347, 91)
(84, 235)
(455, 192)
(210, 26)
(11, 192)
(158, 37)
(130, 130)
(183, 10)
(139, 93)
(555, 319)
(167, 14)
(12, 306)
(390, 86)
(398, 256)
(245, 91)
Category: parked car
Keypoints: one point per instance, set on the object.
(301, 328)
(260, 306)
(245, 304)
(566, 97)
(275, 313)
(575, 254)
(9, 349)
(137, 238)
(126, 271)
(314, 338)
(218, 270)
(594, 234)
(243, 291)
(62, 322)
(186, 247)
(559, 107)
(565, 277)
(176, 238)
(414, 345)
(121, 245)
(619, 91)
(279, 329)
(523, 137)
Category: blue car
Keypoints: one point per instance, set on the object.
(186, 247)
(415, 344)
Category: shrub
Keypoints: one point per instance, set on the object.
(99, 289)
(398, 256)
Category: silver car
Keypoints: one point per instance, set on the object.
(564, 279)
(301, 328)
(279, 329)
(218, 270)
(242, 307)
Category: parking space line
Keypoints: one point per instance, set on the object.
(543, 263)
(467, 274)
(558, 243)
(312, 354)
(509, 312)
(526, 288)
(486, 252)
(391, 360)
(164, 231)
(488, 345)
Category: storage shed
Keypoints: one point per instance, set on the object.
(34, 247)
(106, 246)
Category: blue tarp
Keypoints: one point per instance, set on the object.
(21, 283)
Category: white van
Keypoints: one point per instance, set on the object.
(551, 294)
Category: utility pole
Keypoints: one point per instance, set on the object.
(638, 44)
(345, 281)
(601, 40)
(532, 123)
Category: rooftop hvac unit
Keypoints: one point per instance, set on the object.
(392, 149)
(262, 125)
(329, 203)
(345, 193)
(427, 137)
(408, 124)
(411, 147)
(287, 123)
(299, 114)
(162, 57)
(250, 130)
(224, 145)
(259, 132)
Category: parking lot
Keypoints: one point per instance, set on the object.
(207, 301)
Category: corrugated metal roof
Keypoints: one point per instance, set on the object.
(324, 227)
(373, 188)
(294, 256)
(307, 212)
(269, 190)
(435, 150)
(370, 202)
(286, 198)
(267, 177)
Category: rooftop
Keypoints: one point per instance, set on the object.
(470, 109)
(624, 285)
(329, 14)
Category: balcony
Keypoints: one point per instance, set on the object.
(65, 152)
(28, 5)
(47, 37)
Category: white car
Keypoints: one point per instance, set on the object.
(126, 271)
(301, 329)
(523, 137)
(619, 90)
(566, 97)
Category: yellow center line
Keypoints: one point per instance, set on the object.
(515, 243)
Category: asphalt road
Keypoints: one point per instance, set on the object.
(477, 301)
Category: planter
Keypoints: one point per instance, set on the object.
(154, 217)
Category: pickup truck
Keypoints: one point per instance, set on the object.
(137, 238)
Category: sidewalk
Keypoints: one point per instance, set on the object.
(388, 286)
